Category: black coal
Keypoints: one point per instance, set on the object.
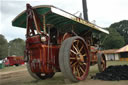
(113, 73)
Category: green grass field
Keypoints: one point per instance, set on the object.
(12, 68)
(93, 69)
(23, 78)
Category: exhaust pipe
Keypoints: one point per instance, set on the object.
(85, 10)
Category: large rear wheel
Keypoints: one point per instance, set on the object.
(74, 58)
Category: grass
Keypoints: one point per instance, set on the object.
(12, 68)
(117, 63)
(59, 79)
(93, 69)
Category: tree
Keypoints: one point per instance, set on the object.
(16, 47)
(122, 28)
(3, 47)
(112, 41)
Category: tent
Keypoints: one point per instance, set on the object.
(123, 53)
(123, 49)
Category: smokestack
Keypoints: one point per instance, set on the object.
(85, 10)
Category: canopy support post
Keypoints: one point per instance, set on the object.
(44, 24)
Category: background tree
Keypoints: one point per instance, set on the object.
(112, 41)
(3, 47)
(16, 47)
(122, 28)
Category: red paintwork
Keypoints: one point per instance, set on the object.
(6, 62)
(93, 54)
(43, 62)
(39, 55)
(14, 60)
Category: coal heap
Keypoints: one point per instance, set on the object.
(113, 73)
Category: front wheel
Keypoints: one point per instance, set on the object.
(39, 76)
(74, 60)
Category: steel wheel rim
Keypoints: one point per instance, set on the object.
(103, 63)
(79, 59)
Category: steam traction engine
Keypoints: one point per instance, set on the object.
(57, 41)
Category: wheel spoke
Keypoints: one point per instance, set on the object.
(72, 58)
(103, 63)
(73, 64)
(74, 70)
(78, 73)
(83, 64)
(81, 48)
(75, 40)
(84, 54)
(73, 52)
(82, 69)
(77, 44)
(75, 49)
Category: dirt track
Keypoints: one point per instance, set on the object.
(21, 77)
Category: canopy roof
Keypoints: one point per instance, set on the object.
(59, 18)
(123, 49)
(110, 51)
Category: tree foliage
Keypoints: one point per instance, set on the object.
(3, 47)
(112, 41)
(122, 28)
(16, 47)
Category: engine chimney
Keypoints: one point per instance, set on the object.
(85, 10)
